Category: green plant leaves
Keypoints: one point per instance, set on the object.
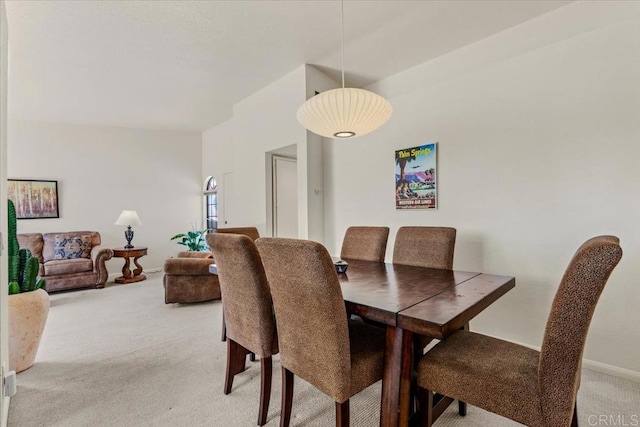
(194, 240)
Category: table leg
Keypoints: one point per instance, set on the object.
(129, 276)
(396, 381)
(138, 269)
(406, 372)
(126, 271)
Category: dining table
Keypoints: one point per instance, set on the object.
(409, 301)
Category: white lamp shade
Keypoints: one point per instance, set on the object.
(128, 218)
(347, 111)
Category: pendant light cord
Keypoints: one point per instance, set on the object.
(342, 37)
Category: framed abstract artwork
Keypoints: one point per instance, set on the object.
(34, 199)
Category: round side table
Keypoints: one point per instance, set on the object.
(136, 253)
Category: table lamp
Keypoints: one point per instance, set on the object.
(128, 218)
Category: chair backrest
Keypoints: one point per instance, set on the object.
(310, 313)
(248, 311)
(251, 232)
(430, 247)
(365, 243)
(568, 323)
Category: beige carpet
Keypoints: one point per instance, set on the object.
(121, 357)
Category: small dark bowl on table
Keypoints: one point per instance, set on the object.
(341, 266)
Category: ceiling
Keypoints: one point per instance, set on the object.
(182, 65)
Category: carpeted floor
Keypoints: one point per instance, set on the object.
(121, 357)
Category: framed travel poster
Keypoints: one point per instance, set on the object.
(416, 182)
(33, 198)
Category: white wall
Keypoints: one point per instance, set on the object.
(538, 135)
(218, 159)
(311, 164)
(4, 319)
(263, 122)
(103, 170)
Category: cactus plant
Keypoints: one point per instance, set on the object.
(23, 266)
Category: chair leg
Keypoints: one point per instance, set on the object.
(425, 407)
(574, 420)
(287, 397)
(236, 356)
(265, 389)
(252, 356)
(418, 352)
(462, 408)
(224, 328)
(342, 414)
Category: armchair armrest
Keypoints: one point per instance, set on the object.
(193, 254)
(188, 266)
(99, 256)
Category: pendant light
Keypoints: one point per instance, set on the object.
(344, 112)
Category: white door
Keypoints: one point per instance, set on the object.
(285, 197)
(227, 200)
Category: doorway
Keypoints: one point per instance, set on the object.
(284, 171)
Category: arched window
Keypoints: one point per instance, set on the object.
(211, 202)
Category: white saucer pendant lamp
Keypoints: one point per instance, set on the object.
(344, 112)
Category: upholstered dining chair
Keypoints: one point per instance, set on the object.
(317, 342)
(248, 310)
(535, 388)
(430, 247)
(250, 232)
(365, 243)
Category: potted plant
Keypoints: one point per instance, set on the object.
(194, 240)
(28, 301)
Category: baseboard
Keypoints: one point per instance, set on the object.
(614, 371)
(5, 412)
(603, 368)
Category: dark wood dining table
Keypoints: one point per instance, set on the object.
(414, 300)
